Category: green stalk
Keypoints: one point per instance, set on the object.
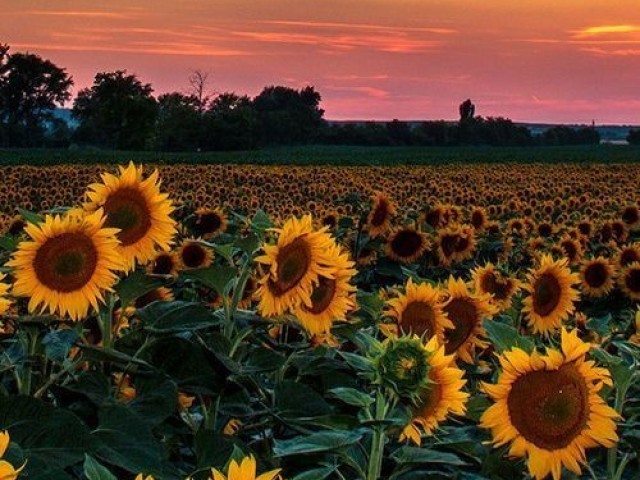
(377, 442)
(105, 317)
(614, 473)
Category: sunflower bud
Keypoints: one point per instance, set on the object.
(403, 366)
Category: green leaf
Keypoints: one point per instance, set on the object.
(505, 337)
(316, 442)
(134, 286)
(263, 359)
(370, 303)
(351, 396)
(165, 317)
(156, 399)
(316, 473)
(58, 343)
(213, 449)
(417, 456)
(50, 438)
(476, 406)
(218, 277)
(8, 243)
(601, 325)
(225, 251)
(125, 440)
(358, 362)
(248, 244)
(299, 400)
(261, 221)
(96, 471)
(30, 217)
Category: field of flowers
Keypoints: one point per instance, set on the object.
(238, 322)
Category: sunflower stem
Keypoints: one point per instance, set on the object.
(612, 454)
(377, 442)
(105, 316)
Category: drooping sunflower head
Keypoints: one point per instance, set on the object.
(548, 407)
(441, 397)
(455, 243)
(403, 366)
(597, 277)
(68, 264)
(137, 208)
(160, 294)
(488, 280)
(331, 298)
(467, 311)
(629, 281)
(478, 218)
(245, 470)
(406, 245)
(418, 311)
(571, 249)
(194, 254)
(294, 265)
(379, 218)
(209, 222)
(551, 296)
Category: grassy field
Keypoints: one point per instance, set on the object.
(337, 155)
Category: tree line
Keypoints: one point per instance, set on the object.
(119, 111)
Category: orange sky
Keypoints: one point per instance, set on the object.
(530, 60)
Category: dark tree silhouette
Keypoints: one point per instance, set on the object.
(467, 110)
(118, 111)
(178, 127)
(231, 123)
(633, 137)
(199, 88)
(30, 89)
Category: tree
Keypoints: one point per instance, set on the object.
(199, 89)
(30, 89)
(118, 111)
(288, 116)
(633, 137)
(467, 110)
(179, 123)
(230, 123)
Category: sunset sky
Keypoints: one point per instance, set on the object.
(559, 61)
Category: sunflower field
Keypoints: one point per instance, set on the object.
(242, 322)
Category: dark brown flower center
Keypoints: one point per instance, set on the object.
(596, 274)
(208, 223)
(549, 408)
(418, 318)
(630, 215)
(448, 243)
(293, 262)
(406, 243)
(628, 256)
(193, 255)
(163, 264)
(464, 315)
(546, 294)
(632, 280)
(322, 296)
(380, 213)
(127, 209)
(66, 263)
(477, 219)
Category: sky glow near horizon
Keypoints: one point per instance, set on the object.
(533, 60)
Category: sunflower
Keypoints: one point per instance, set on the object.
(136, 207)
(551, 295)
(68, 265)
(379, 218)
(245, 470)
(418, 311)
(455, 243)
(141, 476)
(7, 471)
(300, 256)
(628, 255)
(629, 281)
(5, 303)
(442, 396)
(160, 294)
(631, 216)
(331, 298)
(406, 245)
(164, 263)
(479, 218)
(193, 254)
(597, 277)
(467, 312)
(548, 407)
(489, 280)
(209, 222)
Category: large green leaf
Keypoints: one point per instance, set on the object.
(156, 399)
(212, 449)
(125, 440)
(50, 438)
(505, 337)
(94, 470)
(218, 277)
(414, 455)
(316, 442)
(135, 285)
(164, 317)
(299, 400)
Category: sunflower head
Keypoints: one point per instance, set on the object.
(379, 218)
(68, 265)
(245, 470)
(488, 280)
(597, 277)
(629, 281)
(164, 263)
(209, 222)
(137, 208)
(548, 407)
(406, 245)
(403, 366)
(194, 254)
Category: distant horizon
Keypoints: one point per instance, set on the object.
(566, 62)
